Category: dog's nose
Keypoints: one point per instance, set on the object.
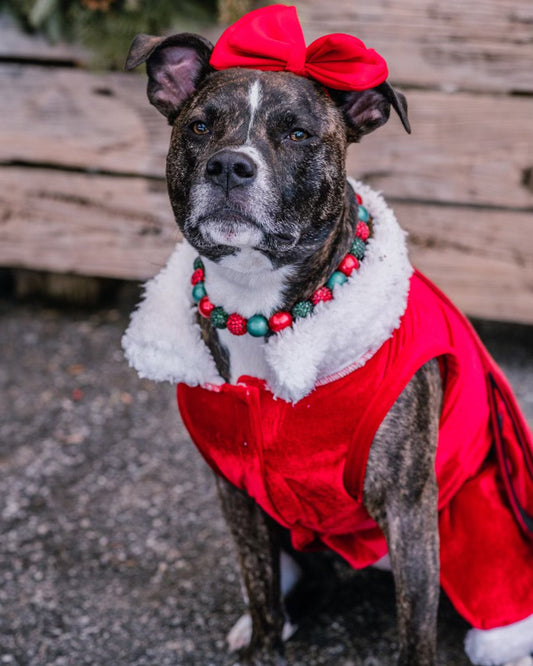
(231, 168)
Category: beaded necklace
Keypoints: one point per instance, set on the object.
(258, 326)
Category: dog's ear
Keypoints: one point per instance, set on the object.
(366, 110)
(175, 66)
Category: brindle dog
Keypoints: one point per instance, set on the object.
(285, 187)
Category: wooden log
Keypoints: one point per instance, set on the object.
(464, 148)
(106, 226)
(72, 118)
(113, 226)
(447, 44)
(481, 258)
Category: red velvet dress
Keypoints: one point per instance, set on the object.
(305, 463)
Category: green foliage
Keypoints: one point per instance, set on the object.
(108, 26)
(232, 10)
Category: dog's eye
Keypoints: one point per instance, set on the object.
(298, 135)
(200, 128)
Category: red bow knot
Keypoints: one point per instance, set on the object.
(271, 39)
(296, 62)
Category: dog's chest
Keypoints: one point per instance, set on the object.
(246, 354)
(249, 293)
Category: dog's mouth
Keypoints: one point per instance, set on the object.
(224, 230)
(230, 228)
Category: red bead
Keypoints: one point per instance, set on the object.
(236, 324)
(348, 265)
(321, 295)
(197, 276)
(358, 199)
(205, 307)
(362, 231)
(279, 321)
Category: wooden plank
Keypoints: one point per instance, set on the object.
(123, 227)
(464, 148)
(448, 44)
(72, 118)
(482, 258)
(86, 224)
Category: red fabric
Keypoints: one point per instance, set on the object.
(305, 463)
(271, 39)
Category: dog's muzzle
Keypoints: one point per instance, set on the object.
(231, 232)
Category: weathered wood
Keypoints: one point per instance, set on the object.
(481, 258)
(449, 44)
(464, 148)
(87, 224)
(73, 118)
(122, 227)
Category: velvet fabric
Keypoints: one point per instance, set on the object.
(305, 463)
(271, 38)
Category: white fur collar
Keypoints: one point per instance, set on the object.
(163, 341)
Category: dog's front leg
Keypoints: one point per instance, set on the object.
(401, 494)
(257, 540)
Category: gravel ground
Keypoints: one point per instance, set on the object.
(113, 550)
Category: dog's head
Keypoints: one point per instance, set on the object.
(257, 158)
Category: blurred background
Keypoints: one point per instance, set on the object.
(82, 153)
(112, 548)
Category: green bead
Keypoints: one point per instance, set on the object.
(336, 278)
(363, 214)
(358, 248)
(198, 263)
(257, 326)
(219, 317)
(302, 309)
(198, 291)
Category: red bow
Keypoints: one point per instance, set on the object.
(271, 38)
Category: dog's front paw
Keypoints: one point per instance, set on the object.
(240, 635)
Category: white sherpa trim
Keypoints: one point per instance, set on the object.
(163, 341)
(364, 314)
(493, 647)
